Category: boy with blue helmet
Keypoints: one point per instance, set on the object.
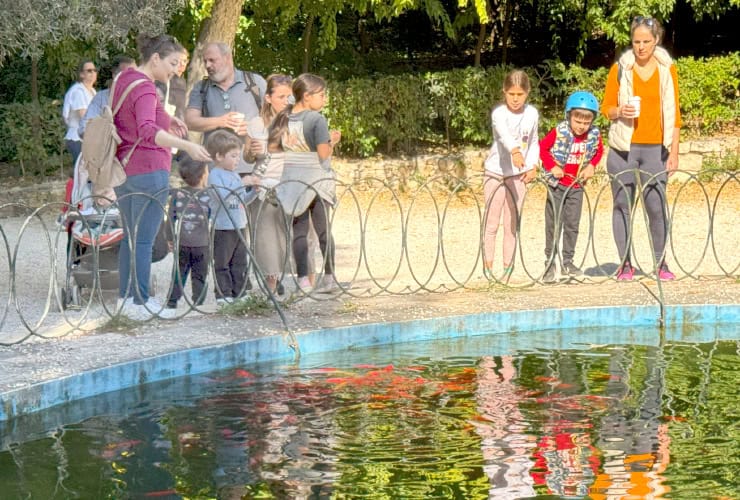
(569, 154)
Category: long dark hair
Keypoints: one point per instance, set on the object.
(163, 45)
(304, 85)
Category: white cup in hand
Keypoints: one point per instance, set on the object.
(261, 138)
(635, 103)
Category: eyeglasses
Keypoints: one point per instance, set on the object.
(647, 21)
(90, 70)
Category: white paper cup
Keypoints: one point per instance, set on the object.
(635, 102)
(239, 116)
(261, 137)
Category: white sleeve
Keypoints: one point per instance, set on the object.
(533, 148)
(501, 131)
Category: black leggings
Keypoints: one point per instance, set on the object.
(318, 213)
(649, 161)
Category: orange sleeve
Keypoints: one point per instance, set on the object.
(611, 93)
(674, 77)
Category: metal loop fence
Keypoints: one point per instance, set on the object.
(382, 237)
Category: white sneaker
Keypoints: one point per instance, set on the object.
(136, 312)
(328, 284)
(121, 303)
(155, 308)
(224, 301)
(304, 285)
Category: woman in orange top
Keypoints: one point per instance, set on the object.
(641, 100)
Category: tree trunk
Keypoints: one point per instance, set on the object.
(505, 34)
(221, 26)
(34, 79)
(479, 44)
(307, 43)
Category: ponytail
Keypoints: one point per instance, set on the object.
(279, 126)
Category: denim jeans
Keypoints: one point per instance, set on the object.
(141, 201)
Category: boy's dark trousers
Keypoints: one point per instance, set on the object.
(230, 262)
(192, 260)
(562, 214)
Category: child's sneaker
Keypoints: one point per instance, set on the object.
(304, 285)
(665, 274)
(571, 269)
(549, 277)
(328, 284)
(626, 272)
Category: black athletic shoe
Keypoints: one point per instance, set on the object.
(549, 276)
(571, 269)
(280, 289)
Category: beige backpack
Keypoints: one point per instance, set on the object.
(100, 144)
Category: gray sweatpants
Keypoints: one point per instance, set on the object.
(649, 161)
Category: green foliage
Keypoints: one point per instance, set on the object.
(714, 167)
(254, 305)
(32, 135)
(454, 106)
(709, 91)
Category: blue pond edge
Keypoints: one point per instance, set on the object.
(42, 396)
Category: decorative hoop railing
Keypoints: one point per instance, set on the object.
(390, 239)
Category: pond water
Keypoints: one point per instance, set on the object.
(499, 416)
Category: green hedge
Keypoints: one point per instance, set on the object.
(32, 136)
(400, 113)
(403, 113)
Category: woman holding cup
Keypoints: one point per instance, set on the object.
(267, 220)
(641, 101)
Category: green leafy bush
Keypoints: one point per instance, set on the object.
(709, 91)
(32, 135)
(451, 107)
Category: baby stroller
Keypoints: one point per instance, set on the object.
(96, 235)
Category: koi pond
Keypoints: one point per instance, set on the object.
(647, 415)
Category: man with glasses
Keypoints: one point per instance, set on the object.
(227, 98)
(76, 101)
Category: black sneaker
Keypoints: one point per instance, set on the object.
(280, 289)
(549, 276)
(571, 269)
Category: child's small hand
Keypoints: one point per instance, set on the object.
(587, 172)
(334, 137)
(557, 172)
(529, 176)
(517, 158)
(251, 180)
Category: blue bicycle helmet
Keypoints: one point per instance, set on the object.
(582, 100)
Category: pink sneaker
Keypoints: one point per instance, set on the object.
(626, 272)
(665, 274)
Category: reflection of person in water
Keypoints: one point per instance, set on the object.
(634, 442)
(505, 446)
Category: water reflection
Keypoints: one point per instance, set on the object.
(609, 422)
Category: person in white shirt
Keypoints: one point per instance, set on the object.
(76, 101)
(511, 164)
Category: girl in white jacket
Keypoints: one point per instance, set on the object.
(511, 164)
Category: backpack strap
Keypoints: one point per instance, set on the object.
(125, 94)
(205, 85)
(115, 110)
(253, 88)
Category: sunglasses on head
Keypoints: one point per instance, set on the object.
(647, 21)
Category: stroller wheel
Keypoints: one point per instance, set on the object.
(70, 297)
(75, 297)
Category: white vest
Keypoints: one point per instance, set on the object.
(620, 131)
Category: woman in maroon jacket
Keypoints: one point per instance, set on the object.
(148, 133)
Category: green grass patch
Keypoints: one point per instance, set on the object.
(251, 305)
